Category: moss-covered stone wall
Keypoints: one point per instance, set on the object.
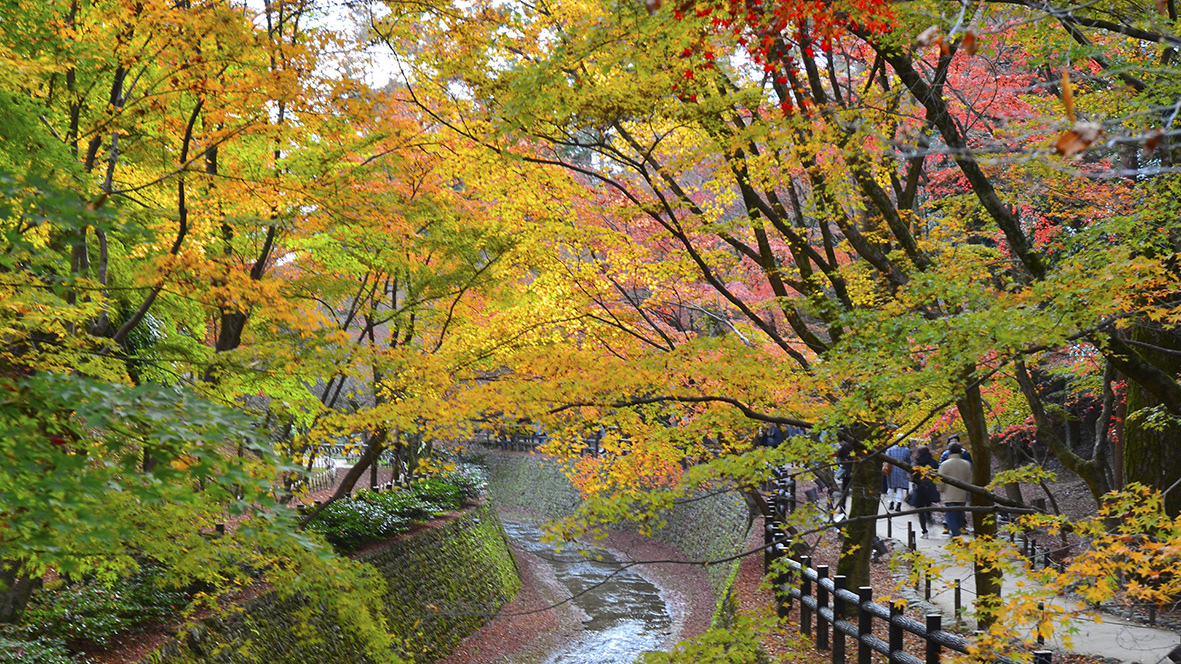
(444, 583)
(530, 483)
(712, 527)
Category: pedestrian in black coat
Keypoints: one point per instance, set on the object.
(925, 492)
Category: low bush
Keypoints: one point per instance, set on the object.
(94, 612)
(347, 524)
(441, 493)
(408, 504)
(368, 515)
(40, 650)
(470, 480)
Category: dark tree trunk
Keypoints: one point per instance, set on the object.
(988, 578)
(15, 591)
(1092, 471)
(1152, 454)
(373, 449)
(866, 490)
(1005, 456)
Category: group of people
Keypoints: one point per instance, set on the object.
(917, 489)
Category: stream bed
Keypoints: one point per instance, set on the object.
(625, 614)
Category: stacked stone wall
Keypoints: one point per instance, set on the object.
(444, 583)
(712, 526)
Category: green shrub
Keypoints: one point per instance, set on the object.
(33, 651)
(441, 493)
(347, 524)
(93, 612)
(407, 504)
(470, 480)
(369, 516)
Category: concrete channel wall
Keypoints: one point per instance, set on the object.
(444, 582)
(710, 528)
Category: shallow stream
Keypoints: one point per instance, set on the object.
(626, 615)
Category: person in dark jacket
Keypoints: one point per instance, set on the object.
(925, 492)
(954, 438)
(897, 481)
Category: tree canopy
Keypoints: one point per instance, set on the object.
(674, 227)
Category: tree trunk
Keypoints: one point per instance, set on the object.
(1005, 456)
(1152, 454)
(15, 591)
(373, 448)
(866, 489)
(1091, 471)
(988, 578)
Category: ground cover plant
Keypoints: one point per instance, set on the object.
(369, 515)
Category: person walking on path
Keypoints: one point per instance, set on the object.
(955, 468)
(897, 480)
(925, 492)
(954, 438)
(844, 455)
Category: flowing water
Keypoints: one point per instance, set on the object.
(626, 614)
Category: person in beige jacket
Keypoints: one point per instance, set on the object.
(958, 469)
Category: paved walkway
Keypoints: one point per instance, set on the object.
(1105, 636)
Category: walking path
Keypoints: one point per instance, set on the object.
(1092, 634)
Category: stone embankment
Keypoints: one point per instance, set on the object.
(444, 582)
(542, 623)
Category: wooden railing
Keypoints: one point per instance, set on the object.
(841, 613)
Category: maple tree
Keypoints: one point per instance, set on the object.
(881, 208)
(664, 226)
(205, 212)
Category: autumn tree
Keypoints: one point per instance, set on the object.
(883, 214)
(190, 193)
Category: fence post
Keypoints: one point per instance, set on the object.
(768, 536)
(1042, 656)
(1041, 609)
(821, 604)
(934, 624)
(864, 623)
(781, 579)
(889, 526)
(927, 586)
(838, 614)
(957, 600)
(805, 591)
(895, 632)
